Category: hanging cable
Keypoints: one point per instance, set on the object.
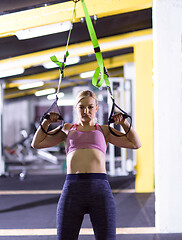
(62, 66)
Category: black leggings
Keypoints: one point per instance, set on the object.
(86, 193)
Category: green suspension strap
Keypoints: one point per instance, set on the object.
(102, 70)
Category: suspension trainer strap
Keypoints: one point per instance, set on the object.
(54, 59)
(62, 66)
(102, 70)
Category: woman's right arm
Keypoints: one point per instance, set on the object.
(42, 140)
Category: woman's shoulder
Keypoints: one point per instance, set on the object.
(66, 127)
(105, 129)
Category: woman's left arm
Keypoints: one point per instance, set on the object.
(131, 140)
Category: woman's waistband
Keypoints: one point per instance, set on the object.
(83, 176)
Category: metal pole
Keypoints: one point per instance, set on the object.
(2, 162)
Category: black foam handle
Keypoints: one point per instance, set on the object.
(47, 116)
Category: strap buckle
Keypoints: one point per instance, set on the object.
(97, 49)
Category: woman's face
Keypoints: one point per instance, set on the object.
(86, 109)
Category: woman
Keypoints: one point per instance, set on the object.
(86, 188)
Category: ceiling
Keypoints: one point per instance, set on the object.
(116, 23)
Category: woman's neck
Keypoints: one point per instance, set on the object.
(86, 124)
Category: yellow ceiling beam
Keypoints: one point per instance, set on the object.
(80, 49)
(16, 94)
(113, 62)
(13, 22)
(46, 76)
(109, 63)
(46, 85)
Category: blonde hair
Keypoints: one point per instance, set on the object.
(85, 93)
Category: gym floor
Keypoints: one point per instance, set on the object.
(28, 209)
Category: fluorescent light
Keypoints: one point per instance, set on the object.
(30, 85)
(66, 102)
(43, 30)
(69, 61)
(53, 96)
(45, 92)
(11, 72)
(25, 81)
(87, 74)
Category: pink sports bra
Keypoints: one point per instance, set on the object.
(85, 139)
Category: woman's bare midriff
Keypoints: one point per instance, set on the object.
(86, 161)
